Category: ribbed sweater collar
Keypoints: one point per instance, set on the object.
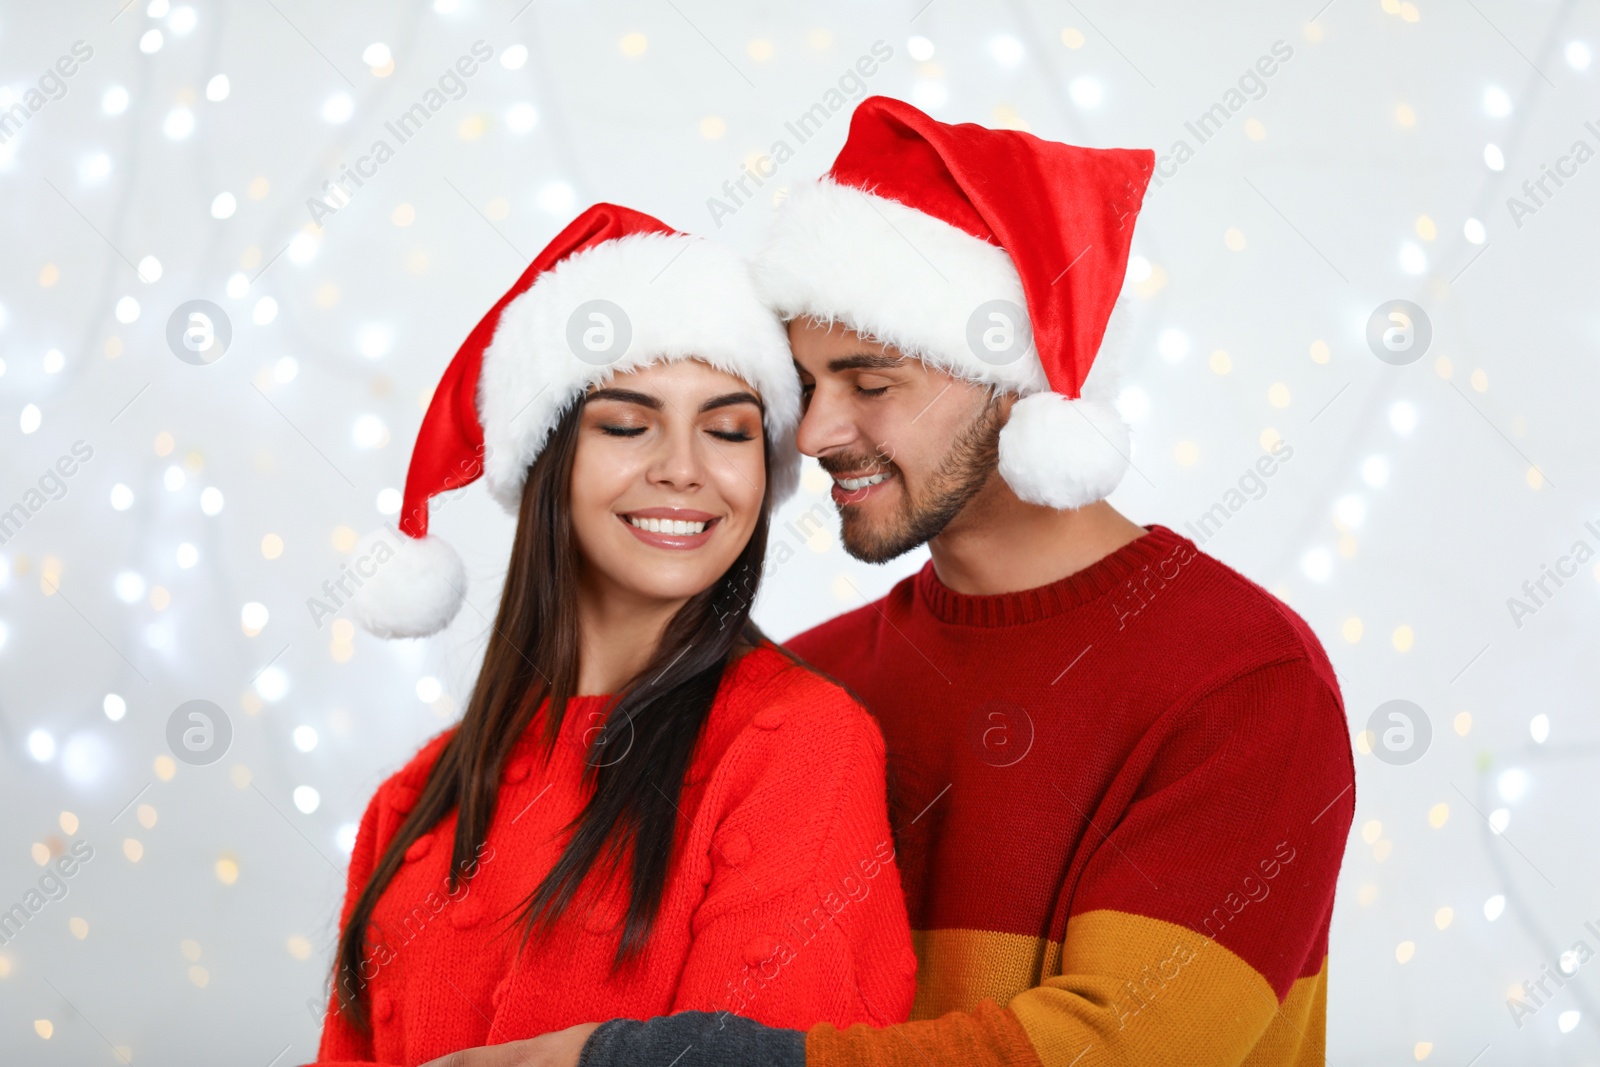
(1031, 605)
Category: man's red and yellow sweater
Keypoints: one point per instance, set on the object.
(1121, 802)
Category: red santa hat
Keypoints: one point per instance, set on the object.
(614, 292)
(992, 255)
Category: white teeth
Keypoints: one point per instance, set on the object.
(668, 526)
(850, 485)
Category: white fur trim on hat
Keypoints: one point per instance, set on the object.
(414, 587)
(894, 274)
(681, 297)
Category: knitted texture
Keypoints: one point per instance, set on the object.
(1121, 799)
(783, 902)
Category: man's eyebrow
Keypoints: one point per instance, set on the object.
(866, 361)
(729, 399)
(626, 396)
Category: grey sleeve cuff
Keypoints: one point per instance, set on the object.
(693, 1039)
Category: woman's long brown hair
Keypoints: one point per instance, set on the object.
(532, 654)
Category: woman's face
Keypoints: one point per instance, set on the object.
(667, 479)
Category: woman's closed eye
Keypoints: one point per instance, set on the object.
(622, 431)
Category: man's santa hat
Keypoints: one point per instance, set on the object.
(614, 292)
(957, 244)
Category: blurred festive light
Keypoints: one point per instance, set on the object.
(305, 738)
(633, 45)
(265, 311)
(919, 48)
(114, 101)
(520, 118)
(1474, 232)
(94, 168)
(1499, 819)
(369, 432)
(238, 285)
(129, 587)
(388, 501)
(1403, 417)
(54, 360)
(271, 546)
(303, 248)
(173, 478)
(928, 94)
(41, 746)
(1539, 728)
(338, 108)
(306, 798)
(1512, 784)
(1086, 92)
(374, 340)
(188, 555)
(211, 500)
(151, 42)
(446, 7)
(1569, 962)
(157, 9)
(114, 706)
(179, 123)
(514, 57)
(1138, 269)
(1005, 50)
(149, 269)
(121, 497)
(1173, 344)
(127, 310)
(223, 205)
(378, 55)
(1493, 158)
(85, 758)
(272, 685)
(218, 88)
(1494, 907)
(285, 370)
(1578, 55)
(345, 837)
(1412, 259)
(182, 20)
(1317, 564)
(31, 417)
(1496, 102)
(253, 618)
(1133, 403)
(1568, 1021)
(557, 198)
(429, 689)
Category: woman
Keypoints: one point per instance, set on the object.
(647, 806)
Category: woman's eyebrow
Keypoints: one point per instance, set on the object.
(728, 399)
(626, 396)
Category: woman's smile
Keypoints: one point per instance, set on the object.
(671, 528)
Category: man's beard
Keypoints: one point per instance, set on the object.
(963, 471)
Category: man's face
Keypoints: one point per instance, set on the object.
(907, 446)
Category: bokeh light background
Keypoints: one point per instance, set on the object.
(1376, 165)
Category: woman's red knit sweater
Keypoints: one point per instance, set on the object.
(783, 903)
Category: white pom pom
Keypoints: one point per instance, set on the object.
(410, 588)
(1063, 453)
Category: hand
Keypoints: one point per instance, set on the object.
(559, 1048)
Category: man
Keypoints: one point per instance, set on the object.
(1121, 772)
